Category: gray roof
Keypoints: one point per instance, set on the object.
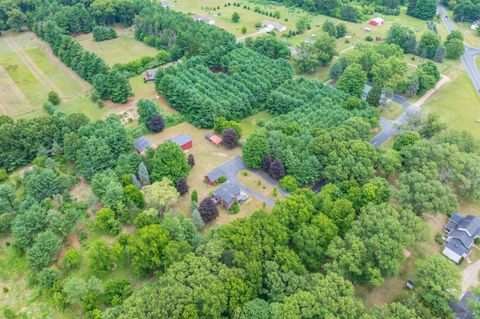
(461, 309)
(141, 144)
(215, 174)
(471, 224)
(180, 140)
(150, 74)
(199, 17)
(228, 191)
(457, 247)
(457, 218)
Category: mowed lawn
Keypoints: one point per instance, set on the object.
(123, 49)
(458, 105)
(28, 71)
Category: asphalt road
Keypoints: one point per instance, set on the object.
(468, 58)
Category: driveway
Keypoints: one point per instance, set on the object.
(231, 169)
(470, 276)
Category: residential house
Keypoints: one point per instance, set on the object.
(462, 232)
(228, 194)
(204, 19)
(461, 310)
(184, 141)
(271, 25)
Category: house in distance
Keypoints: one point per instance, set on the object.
(184, 141)
(204, 19)
(271, 25)
(462, 232)
(150, 75)
(228, 194)
(376, 22)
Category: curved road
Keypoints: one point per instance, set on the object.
(468, 57)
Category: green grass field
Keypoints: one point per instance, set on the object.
(250, 124)
(458, 105)
(123, 49)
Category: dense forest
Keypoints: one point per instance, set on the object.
(238, 87)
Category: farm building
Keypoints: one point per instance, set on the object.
(142, 143)
(212, 177)
(150, 75)
(215, 139)
(228, 194)
(462, 232)
(184, 141)
(376, 22)
(204, 19)
(270, 26)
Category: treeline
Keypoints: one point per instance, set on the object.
(346, 10)
(315, 138)
(464, 10)
(182, 36)
(240, 88)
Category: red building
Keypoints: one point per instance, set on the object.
(184, 141)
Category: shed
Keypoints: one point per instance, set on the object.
(212, 177)
(376, 22)
(215, 139)
(378, 38)
(141, 144)
(184, 141)
(150, 75)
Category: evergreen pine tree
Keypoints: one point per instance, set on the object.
(439, 54)
(373, 97)
(197, 219)
(143, 175)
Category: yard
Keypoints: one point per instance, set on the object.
(251, 123)
(123, 49)
(458, 104)
(29, 70)
(392, 111)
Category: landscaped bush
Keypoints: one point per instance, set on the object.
(101, 33)
(289, 183)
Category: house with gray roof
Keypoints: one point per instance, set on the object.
(204, 19)
(462, 232)
(271, 25)
(184, 141)
(212, 177)
(461, 310)
(228, 194)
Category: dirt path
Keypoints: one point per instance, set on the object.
(444, 80)
(32, 66)
(470, 276)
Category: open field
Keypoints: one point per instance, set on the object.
(251, 123)
(123, 49)
(259, 185)
(29, 70)
(458, 104)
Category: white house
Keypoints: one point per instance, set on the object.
(270, 26)
(462, 232)
(376, 22)
(204, 19)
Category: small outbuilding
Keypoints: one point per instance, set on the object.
(215, 139)
(184, 141)
(376, 22)
(141, 144)
(367, 29)
(150, 75)
(378, 38)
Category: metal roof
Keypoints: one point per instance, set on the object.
(214, 175)
(180, 140)
(141, 144)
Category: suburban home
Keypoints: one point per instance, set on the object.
(204, 19)
(184, 141)
(215, 139)
(270, 26)
(462, 232)
(228, 194)
(141, 144)
(376, 22)
(212, 177)
(150, 75)
(461, 310)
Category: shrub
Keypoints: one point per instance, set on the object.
(221, 180)
(182, 187)
(3, 175)
(117, 290)
(48, 277)
(235, 209)
(101, 33)
(53, 98)
(105, 221)
(369, 38)
(191, 160)
(194, 196)
(71, 260)
(49, 107)
(156, 123)
(289, 183)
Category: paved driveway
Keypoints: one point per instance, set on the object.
(470, 276)
(231, 169)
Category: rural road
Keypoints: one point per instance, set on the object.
(468, 57)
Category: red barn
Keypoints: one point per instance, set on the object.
(184, 141)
